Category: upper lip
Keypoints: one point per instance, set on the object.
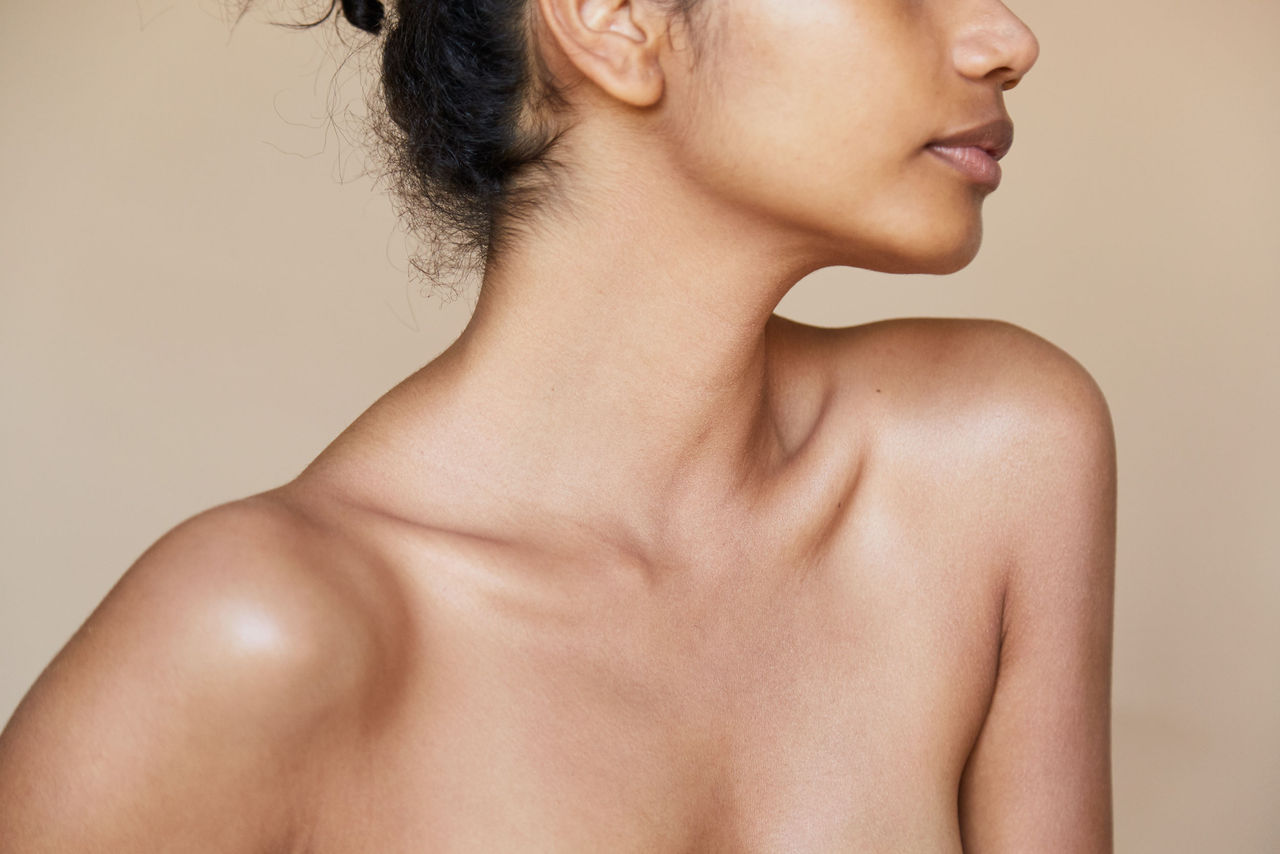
(995, 137)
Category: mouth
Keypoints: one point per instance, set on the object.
(976, 152)
(994, 138)
(972, 162)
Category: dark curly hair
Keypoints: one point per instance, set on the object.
(467, 117)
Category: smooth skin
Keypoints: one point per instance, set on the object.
(637, 565)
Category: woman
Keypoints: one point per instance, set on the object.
(636, 565)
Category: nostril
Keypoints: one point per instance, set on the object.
(1008, 76)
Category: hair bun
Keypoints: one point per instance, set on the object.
(365, 14)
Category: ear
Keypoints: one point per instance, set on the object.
(613, 43)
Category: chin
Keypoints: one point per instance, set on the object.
(943, 265)
(937, 258)
(930, 241)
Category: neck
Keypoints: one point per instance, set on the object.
(615, 377)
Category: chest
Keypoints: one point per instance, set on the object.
(823, 713)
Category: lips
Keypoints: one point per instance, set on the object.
(975, 152)
(994, 137)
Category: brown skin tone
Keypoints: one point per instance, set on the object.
(636, 565)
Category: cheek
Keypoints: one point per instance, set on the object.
(810, 142)
(828, 141)
(866, 192)
(806, 99)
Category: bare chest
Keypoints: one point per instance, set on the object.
(823, 712)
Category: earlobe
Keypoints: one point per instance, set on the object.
(611, 43)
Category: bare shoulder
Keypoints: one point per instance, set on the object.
(201, 687)
(972, 357)
(996, 415)
(1015, 435)
(981, 386)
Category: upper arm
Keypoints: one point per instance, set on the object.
(1038, 777)
(175, 717)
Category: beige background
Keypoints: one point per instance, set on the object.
(193, 305)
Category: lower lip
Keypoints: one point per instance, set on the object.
(973, 162)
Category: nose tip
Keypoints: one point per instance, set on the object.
(1001, 48)
(1025, 56)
